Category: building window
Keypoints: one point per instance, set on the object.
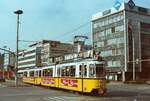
(102, 23)
(114, 63)
(106, 53)
(95, 25)
(108, 31)
(120, 40)
(111, 41)
(95, 45)
(114, 19)
(100, 44)
(106, 22)
(110, 20)
(101, 34)
(116, 52)
(119, 28)
(95, 36)
(115, 41)
(113, 29)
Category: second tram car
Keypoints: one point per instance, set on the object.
(87, 76)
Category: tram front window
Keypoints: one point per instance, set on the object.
(96, 70)
(99, 70)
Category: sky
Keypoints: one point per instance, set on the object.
(50, 19)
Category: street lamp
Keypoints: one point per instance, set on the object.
(18, 12)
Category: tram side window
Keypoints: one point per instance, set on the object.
(58, 72)
(31, 73)
(85, 71)
(48, 72)
(63, 72)
(72, 70)
(80, 70)
(36, 73)
(67, 70)
(83, 68)
(25, 74)
(92, 70)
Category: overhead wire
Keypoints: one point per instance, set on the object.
(28, 41)
(64, 34)
(73, 30)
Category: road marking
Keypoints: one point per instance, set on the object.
(62, 98)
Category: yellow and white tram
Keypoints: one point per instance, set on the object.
(87, 75)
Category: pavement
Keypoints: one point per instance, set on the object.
(11, 83)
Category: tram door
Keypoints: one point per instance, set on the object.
(82, 73)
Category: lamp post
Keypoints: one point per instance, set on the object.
(18, 12)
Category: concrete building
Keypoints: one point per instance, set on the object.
(51, 49)
(42, 53)
(9, 61)
(29, 57)
(1, 62)
(122, 37)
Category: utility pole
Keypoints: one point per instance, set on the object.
(133, 46)
(18, 12)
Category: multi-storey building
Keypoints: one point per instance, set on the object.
(9, 61)
(52, 49)
(122, 37)
(42, 53)
(30, 57)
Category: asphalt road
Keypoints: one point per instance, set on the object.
(116, 92)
